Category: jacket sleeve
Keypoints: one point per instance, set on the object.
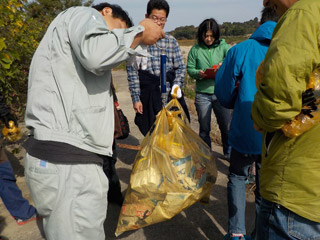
(226, 49)
(192, 63)
(291, 58)
(178, 64)
(134, 83)
(96, 47)
(226, 78)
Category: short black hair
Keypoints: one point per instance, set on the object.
(159, 5)
(268, 14)
(117, 12)
(206, 25)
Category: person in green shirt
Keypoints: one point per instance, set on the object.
(208, 51)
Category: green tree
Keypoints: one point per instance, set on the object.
(48, 9)
(44, 11)
(186, 32)
(226, 29)
(22, 26)
(13, 48)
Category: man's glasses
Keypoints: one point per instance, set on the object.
(158, 19)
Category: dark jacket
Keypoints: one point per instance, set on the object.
(151, 99)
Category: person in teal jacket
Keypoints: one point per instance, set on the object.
(210, 50)
(290, 169)
(235, 88)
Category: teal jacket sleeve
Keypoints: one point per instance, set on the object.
(226, 78)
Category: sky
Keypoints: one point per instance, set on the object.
(193, 12)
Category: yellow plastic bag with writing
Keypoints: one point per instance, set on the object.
(173, 170)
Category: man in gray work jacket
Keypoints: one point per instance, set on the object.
(70, 115)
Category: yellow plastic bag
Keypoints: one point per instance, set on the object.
(173, 170)
(302, 122)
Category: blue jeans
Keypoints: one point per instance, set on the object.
(276, 223)
(204, 104)
(11, 195)
(238, 172)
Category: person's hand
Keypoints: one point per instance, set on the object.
(309, 102)
(176, 91)
(308, 97)
(138, 108)
(152, 32)
(202, 74)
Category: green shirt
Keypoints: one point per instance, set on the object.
(202, 57)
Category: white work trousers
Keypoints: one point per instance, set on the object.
(72, 198)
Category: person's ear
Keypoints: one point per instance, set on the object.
(106, 11)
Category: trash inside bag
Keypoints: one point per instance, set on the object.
(173, 170)
(310, 113)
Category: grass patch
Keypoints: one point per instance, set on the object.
(235, 39)
(187, 42)
(189, 87)
(189, 92)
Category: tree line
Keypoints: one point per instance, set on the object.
(22, 26)
(227, 29)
